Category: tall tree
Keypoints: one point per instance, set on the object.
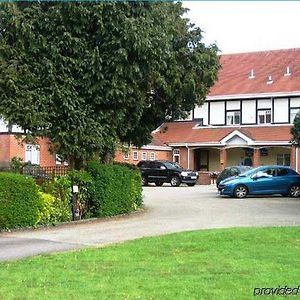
(87, 75)
(295, 130)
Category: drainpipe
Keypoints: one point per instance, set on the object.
(188, 150)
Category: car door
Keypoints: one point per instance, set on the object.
(281, 181)
(158, 171)
(263, 181)
(161, 171)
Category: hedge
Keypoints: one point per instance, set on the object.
(20, 201)
(117, 189)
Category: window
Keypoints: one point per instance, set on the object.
(176, 156)
(283, 159)
(58, 159)
(126, 155)
(135, 155)
(144, 156)
(152, 156)
(264, 116)
(233, 117)
(32, 154)
(293, 113)
(201, 122)
(282, 172)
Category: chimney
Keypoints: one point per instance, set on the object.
(251, 76)
(270, 81)
(287, 73)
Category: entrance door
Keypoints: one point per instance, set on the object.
(201, 159)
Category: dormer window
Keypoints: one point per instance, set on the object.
(233, 117)
(264, 116)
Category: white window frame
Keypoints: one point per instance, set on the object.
(32, 154)
(176, 154)
(152, 156)
(58, 159)
(144, 155)
(231, 117)
(264, 113)
(126, 155)
(135, 155)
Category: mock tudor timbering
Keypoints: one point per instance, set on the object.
(246, 119)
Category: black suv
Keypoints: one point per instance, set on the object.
(165, 171)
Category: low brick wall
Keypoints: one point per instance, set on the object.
(204, 178)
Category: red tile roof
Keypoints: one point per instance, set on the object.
(156, 142)
(183, 132)
(236, 69)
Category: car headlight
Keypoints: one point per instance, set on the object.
(197, 173)
(184, 174)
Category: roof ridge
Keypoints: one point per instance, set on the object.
(260, 51)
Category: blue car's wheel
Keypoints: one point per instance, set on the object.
(240, 191)
(294, 191)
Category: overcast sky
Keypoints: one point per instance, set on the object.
(244, 26)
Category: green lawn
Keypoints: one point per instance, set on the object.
(208, 264)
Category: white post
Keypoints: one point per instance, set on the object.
(188, 149)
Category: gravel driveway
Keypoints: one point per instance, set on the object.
(167, 210)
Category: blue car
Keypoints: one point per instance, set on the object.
(264, 180)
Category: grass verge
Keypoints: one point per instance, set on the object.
(207, 264)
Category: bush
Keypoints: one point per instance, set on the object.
(48, 213)
(16, 164)
(60, 189)
(84, 181)
(117, 189)
(20, 201)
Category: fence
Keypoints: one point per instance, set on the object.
(45, 172)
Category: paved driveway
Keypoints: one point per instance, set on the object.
(167, 210)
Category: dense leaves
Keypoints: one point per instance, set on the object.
(20, 202)
(88, 75)
(117, 189)
(295, 130)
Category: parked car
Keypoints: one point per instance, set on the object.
(264, 180)
(231, 171)
(160, 172)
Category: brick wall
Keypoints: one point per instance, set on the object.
(11, 147)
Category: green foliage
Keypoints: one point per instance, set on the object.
(48, 213)
(20, 201)
(16, 164)
(85, 185)
(90, 74)
(295, 130)
(60, 189)
(118, 189)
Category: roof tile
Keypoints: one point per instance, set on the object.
(236, 69)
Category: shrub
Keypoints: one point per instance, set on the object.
(16, 164)
(60, 189)
(48, 213)
(84, 181)
(20, 201)
(117, 189)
